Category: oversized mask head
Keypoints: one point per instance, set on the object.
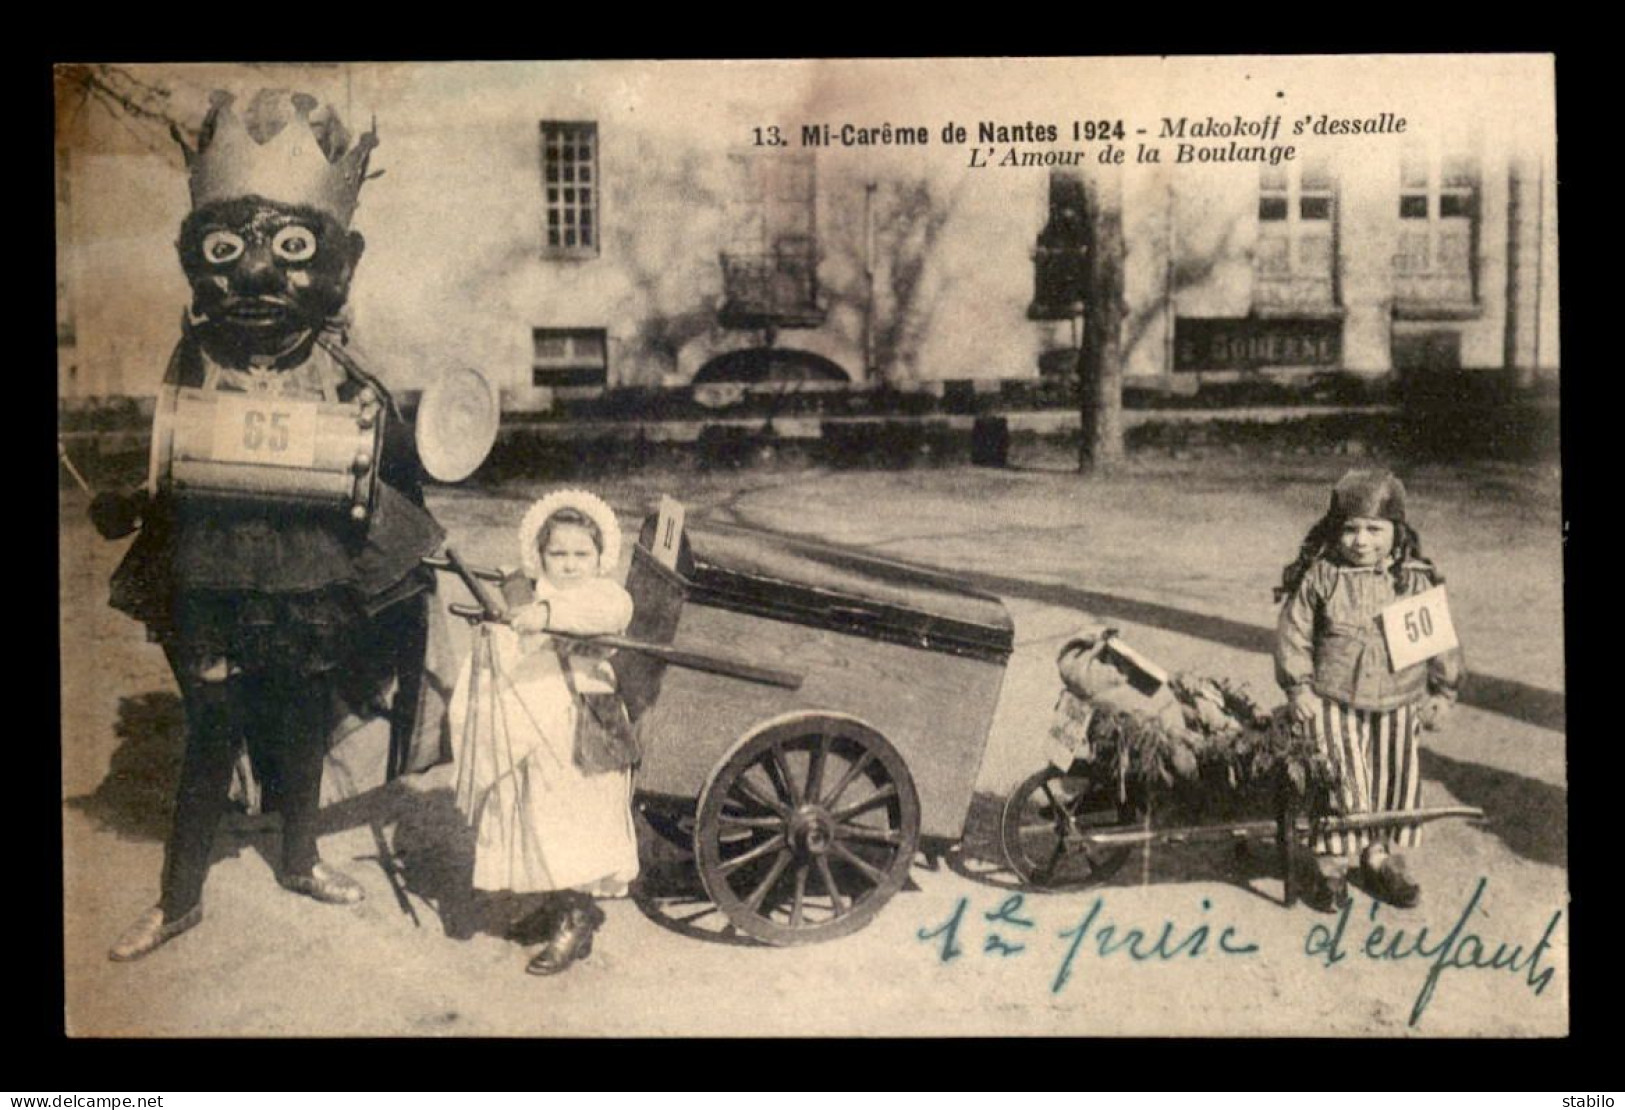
(263, 273)
(267, 248)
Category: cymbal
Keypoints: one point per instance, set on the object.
(457, 424)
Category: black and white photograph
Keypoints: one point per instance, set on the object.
(825, 548)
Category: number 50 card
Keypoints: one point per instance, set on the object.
(1418, 627)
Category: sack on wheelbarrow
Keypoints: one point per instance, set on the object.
(1096, 660)
(1096, 668)
(1069, 730)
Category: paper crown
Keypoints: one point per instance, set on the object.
(286, 147)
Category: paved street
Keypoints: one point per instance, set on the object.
(1180, 555)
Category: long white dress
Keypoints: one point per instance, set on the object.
(541, 823)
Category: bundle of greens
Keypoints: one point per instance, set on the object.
(1230, 758)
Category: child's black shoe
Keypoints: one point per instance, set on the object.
(1388, 879)
(1328, 885)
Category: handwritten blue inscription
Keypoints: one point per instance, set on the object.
(1110, 939)
(1008, 930)
(1106, 938)
(1458, 948)
(1007, 914)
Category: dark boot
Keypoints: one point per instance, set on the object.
(1388, 879)
(572, 940)
(1329, 885)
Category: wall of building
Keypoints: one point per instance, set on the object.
(455, 275)
(1206, 266)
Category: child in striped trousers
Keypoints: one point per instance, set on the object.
(1333, 662)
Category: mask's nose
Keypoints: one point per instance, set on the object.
(257, 272)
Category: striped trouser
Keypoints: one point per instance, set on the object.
(1377, 759)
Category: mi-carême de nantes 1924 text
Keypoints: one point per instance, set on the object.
(1177, 140)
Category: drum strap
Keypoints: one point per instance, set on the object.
(345, 359)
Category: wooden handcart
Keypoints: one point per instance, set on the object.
(814, 714)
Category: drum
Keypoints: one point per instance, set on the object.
(264, 448)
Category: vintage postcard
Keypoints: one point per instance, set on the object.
(1047, 546)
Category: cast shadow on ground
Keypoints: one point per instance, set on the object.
(1529, 816)
(420, 840)
(430, 858)
(668, 891)
(1504, 696)
(137, 798)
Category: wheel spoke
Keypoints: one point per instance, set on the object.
(863, 832)
(745, 787)
(815, 767)
(750, 822)
(790, 788)
(771, 844)
(800, 897)
(689, 919)
(1054, 858)
(875, 874)
(1046, 829)
(773, 873)
(1050, 794)
(884, 794)
(852, 773)
(835, 894)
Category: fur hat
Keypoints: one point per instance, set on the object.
(1369, 493)
(589, 505)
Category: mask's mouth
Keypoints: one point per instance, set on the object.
(256, 312)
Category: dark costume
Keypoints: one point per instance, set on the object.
(285, 622)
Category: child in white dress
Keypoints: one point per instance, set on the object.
(542, 823)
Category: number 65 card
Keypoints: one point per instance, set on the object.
(1418, 627)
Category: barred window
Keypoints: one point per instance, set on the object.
(570, 188)
(569, 356)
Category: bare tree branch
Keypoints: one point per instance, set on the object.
(145, 109)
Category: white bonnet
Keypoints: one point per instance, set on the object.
(590, 505)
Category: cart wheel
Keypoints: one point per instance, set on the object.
(806, 829)
(1045, 822)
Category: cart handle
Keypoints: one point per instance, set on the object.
(443, 562)
(677, 657)
(1108, 838)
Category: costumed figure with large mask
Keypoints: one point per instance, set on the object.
(282, 525)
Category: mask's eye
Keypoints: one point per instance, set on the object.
(294, 244)
(220, 247)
